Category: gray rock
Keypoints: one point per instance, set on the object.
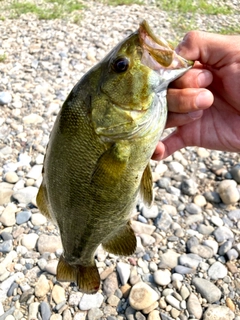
(23, 216)
(217, 221)
(194, 218)
(212, 244)
(225, 247)
(123, 270)
(205, 230)
(45, 310)
(35, 172)
(203, 251)
(110, 284)
(222, 234)
(176, 167)
(192, 208)
(194, 306)
(164, 221)
(164, 183)
(232, 254)
(235, 172)
(190, 260)
(5, 98)
(218, 312)
(207, 289)
(234, 215)
(162, 277)
(6, 246)
(189, 187)
(217, 271)
(212, 196)
(184, 270)
(192, 242)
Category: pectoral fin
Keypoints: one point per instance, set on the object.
(42, 202)
(146, 189)
(123, 243)
(86, 277)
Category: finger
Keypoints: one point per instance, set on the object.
(179, 119)
(188, 100)
(208, 48)
(194, 78)
(168, 146)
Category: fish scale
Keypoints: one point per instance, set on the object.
(97, 160)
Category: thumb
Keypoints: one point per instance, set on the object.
(208, 48)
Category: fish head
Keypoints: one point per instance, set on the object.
(133, 77)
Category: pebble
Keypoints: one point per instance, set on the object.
(5, 98)
(30, 240)
(228, 191)
(207, 289)
(142, 296)
(33, 310)
(45, 310)
(7, 218)
(235, 172)
(222, 234)
(218, 312)
(95, 314)
(23, 216)
(194, 307)
(11, 177)
(38, 219)
(200, 200)
(42, 286)
(26, 195)
(35, 172)
(123, 270)
(58, 294)
(192, 208)
(189, 187)
(48, 243)
(150, 213)
(162, 277)
(164, 221)
(90, 301)
(154, 315)
(173, 301)
(190, 260)
(110, 284)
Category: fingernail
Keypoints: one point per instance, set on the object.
(196, 114)
(203, 98)
(204, 78)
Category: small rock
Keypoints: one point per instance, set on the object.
(29, 240)
(225, 247)
(139, 228)
(35, 172)
(190, 260)
(184, 292)
(176, 167)
(228, 191)
(222, 234)
(11, 177)
(113, 300)
(23, 216)
(212, 196)
(232, 254)
(45, 310)
(32, 118)
(48, 243)
(234, 215)
(6, 191)
(33, 310)
(203, 251)
(164, 221)
(194, 306)
(42, 286)
(218, 312)
(58, 294)
(162, 277)
(90, 301)
(5, 98)
(142, 296)
(123, 270)
(94, 314)
(8, 216)
(38, 219)
(110, 284)
(192, 208)
(154, 315)
(200, 200)
(51, 267)
(217, 271)
(235, 172)
(6, 246)
(150, 213)
(173, 301)
(217, 221)
(230, 304)
(26, 195)
(207, 289)
(189, 187)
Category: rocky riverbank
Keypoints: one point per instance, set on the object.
(186, 265)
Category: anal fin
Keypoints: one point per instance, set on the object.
(146, 186)
(123, 243)
(86, 277)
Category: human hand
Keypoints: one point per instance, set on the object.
(218, 67)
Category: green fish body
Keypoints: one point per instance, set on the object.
(97, 159)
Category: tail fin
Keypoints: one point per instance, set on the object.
(87, 278)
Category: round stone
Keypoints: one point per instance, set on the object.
(228, 191)
(189, 187)
(58, 294)
(23, 216)
(194, 306)
(48, 243)
(200, 200)
(207, 289)
(5, 97)
(11, 177)
(142, 296)
(217, 271)
(235, 172)
(42, 286)
(162, 277)
(218, 312)
(90, 301)
(29, 240)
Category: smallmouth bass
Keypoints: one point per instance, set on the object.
(97, 159)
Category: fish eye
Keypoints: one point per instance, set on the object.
(120, 65)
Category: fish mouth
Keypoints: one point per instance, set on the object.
(157, 53)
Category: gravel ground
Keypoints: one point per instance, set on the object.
(186, 264)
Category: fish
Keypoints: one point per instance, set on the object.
(97, 160)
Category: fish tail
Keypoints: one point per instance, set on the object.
(86, 277)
